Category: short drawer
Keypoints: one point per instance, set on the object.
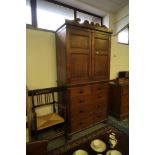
(101, 107)
(80, 101)
(103, 87)
(81, 111)
(100, 116)
(78, 124)
(101, 97)
(78, 91)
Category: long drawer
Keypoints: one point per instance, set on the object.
(79, 124)
(98, 88)
(81, 111)
(100, 116)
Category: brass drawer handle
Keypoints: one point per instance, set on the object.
(99, 97)
(97, 52)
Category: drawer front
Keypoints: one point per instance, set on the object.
(78, 91)
(100, 116)
(100, 98)
(81, 111)
(97, 88)
(80, 101)
(125, 90)
(101, 106)
(78, 124)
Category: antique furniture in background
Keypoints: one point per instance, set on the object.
(51, 98)
(119, 96)
(83, 67)
(37, 147)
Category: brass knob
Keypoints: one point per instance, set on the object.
(97, 52)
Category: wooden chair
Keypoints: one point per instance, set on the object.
(45, 97)
(37, 148)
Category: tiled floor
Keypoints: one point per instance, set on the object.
(121, 125)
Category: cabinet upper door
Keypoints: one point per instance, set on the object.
(79, 55)
(100, 56)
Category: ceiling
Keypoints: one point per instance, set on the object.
(108, 6)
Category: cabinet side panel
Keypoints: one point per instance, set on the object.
(61, 56)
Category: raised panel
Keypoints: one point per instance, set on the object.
(101, 66)
(100, 56)
(79, 67)
(79, 55)
(79, 41)
(101, 44)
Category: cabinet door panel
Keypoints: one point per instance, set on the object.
(79, 66)
(79, 41)
(101, 66)
(100, 57)
(79, 55)
(101, 44)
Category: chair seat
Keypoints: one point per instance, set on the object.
(48, 120)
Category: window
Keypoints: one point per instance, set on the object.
(84, 16)
(28, 12)
(51, 16)
(123, 36)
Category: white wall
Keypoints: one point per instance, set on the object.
(121, 19)
(40, 59)
(119, 52)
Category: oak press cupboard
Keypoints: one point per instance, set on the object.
(83, 67)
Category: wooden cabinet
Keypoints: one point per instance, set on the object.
(100, 56)
(83, 54)
(88, 104)
(119, 100)
(79, 55)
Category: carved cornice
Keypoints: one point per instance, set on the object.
(86, 24)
